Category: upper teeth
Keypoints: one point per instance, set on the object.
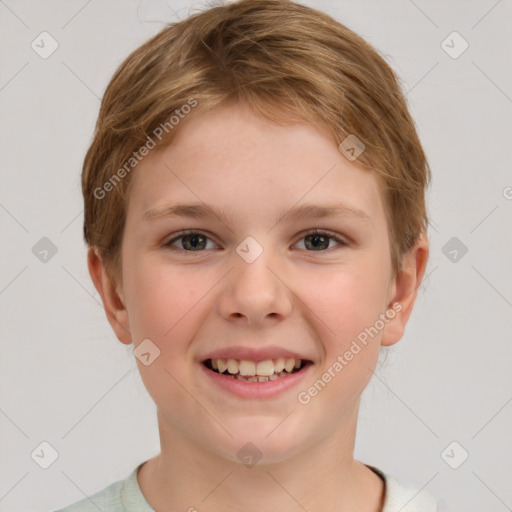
(251, 368)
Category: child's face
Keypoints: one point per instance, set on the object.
(291, 297)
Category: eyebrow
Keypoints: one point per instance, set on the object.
(203, 211)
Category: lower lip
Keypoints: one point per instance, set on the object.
(256, 390)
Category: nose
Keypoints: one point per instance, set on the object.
(255, 292)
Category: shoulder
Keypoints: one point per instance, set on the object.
(121, 496)
(404, 497)
(107, 499)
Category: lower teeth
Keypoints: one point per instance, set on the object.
(258, 378)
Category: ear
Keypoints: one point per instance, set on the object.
(111, 296)
(404, 289)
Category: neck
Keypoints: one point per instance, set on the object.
(324, 477)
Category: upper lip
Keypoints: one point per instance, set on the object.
(253, 354)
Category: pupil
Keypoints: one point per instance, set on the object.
(193, 240)
(319, 241)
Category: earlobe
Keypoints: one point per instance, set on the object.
(111, 296)
(405, 289)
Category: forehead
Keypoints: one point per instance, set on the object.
(251, 166)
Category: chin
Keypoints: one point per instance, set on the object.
(262, 440)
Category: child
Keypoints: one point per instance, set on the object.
(254, 207)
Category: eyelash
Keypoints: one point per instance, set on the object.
(181, 234)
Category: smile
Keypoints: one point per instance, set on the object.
(252, 371)
(256, 379)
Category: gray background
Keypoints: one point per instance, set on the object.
(66, 380)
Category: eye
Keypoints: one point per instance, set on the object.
(192, 241)
(318, 240)
(195, 241)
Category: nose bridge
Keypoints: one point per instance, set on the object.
(253, 262)
(256, 289)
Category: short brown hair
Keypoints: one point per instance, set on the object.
(287, 61)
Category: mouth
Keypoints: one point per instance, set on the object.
(257, 371)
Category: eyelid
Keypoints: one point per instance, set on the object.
(332, 234)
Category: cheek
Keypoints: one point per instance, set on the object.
(163, 309)
(344, 303)
(162, 301)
